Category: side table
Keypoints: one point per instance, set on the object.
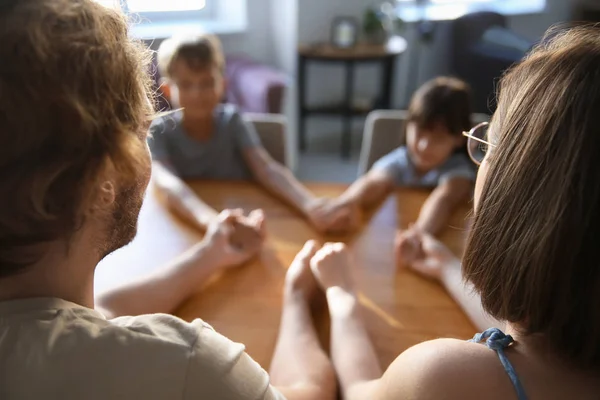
(349, 58)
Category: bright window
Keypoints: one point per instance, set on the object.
(435, 10)
(161, 10)
(155, 19)
(162, 5)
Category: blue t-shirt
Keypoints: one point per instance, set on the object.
(399, 165)
(219, 157)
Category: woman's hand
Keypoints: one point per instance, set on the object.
(299, 279)
(432, 257)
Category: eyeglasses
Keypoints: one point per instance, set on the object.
(478, 144)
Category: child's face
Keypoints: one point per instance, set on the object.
(430, 147)
(198, 91)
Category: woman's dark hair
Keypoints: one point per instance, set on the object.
(533, 252)
(442, 100)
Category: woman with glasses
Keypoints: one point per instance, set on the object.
(531, 264)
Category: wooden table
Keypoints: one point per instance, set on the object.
(244, 304)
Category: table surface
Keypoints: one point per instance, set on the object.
(244, 304)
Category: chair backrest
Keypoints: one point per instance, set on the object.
(383, 133)
(271, 129)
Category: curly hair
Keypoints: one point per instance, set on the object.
(74, 95)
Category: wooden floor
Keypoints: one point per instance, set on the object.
(244, 304)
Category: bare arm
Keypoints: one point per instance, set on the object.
(163, 291)
(278, 180)
(352, 351)
(180, 198)
(300, 369)
(464, 294)
(439, 206)
(437, 262)
(369, 189)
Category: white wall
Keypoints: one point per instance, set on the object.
(325, 83)
(284, 37)
(256, 41)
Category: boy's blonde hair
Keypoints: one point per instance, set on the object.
(198, 51)
(73, 97)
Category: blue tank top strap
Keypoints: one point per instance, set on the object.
(496, 340)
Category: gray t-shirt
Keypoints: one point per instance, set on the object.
(399, 165)
(220, 157)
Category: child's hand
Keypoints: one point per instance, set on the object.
(233, 239)
(433, 257)
(330, 265)
(333, 216)
(407, 246)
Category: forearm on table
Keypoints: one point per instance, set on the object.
(467, 298)
(352, 351)
(434, 214)
(299, 365)
(163, 290)
(183, 201)
(282, 183)
(441, 203)
(368, 190)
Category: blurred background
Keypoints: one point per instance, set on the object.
(283, 57)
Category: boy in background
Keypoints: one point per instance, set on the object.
(434, 156)
(206, 139)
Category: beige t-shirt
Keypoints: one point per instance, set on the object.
(54, 349)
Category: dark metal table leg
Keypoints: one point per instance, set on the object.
(302, 103)
(347, 114)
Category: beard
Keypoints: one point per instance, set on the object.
(122, 227)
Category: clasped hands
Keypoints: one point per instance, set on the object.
(234, 238)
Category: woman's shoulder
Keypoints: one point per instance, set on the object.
(446, 368)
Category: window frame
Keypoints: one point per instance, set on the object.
(206, 13)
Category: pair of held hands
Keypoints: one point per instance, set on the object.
(233, 238)
(334, 215)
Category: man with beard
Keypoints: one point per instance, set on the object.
(74, 166)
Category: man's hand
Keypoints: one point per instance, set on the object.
(433, 257)
(299, 278)
(330, 265)
(334, 216)
(233, 239)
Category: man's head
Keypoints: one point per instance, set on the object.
(192, 70)
(438, 114)
(74, 110)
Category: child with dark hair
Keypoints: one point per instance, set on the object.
(434, 156)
